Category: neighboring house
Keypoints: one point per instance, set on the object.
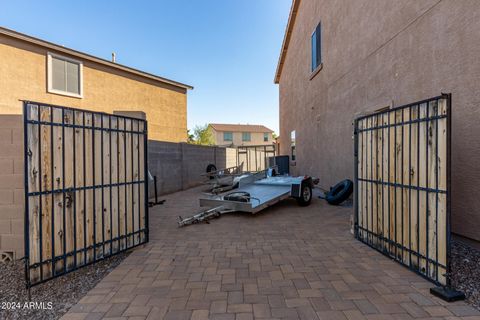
(37, 70)
(241, 134)
(342, 58)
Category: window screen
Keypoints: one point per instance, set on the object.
(265, 137)
(65, 75)
(317, 47)
(246, 136)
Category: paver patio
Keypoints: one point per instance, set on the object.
(287, 262)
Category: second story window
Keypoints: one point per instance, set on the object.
(246, 136)
(227, 136)
(316, 47)
(65, 76)
(265, 137)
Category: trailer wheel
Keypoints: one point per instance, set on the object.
(306, 195)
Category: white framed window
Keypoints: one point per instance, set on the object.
(265, 136)
(65, 76)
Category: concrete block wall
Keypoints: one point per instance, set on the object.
(11, 185)
(180, 166)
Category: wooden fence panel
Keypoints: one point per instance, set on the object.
(402, 185)
(85, 186)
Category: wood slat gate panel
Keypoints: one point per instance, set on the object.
(402, 179)
(85, 188)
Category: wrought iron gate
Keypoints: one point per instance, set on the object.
(402, 185)
(85, 188)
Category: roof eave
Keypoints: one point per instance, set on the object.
(286, 39)
(86, 56)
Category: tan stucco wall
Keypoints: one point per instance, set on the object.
(23, 76)
(256, 139)
(376, 53)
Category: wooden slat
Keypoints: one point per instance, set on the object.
(58, 231)
(99, 202)
(46, 200)
(135, 187)
(142, 177)
(115, 190)
(79, 196)
(89, 193)
(122, 188)
(68, 180)
(406, 210)
(422, 197)
(385, 178)
(129, 166)
(106, 191)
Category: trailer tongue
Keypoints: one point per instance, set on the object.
(255, 192)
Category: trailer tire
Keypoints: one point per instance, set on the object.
(340, 192)
(305, 196)
(210, 168)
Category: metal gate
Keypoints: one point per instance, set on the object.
(402, 183)
(85, 188)
(255, 158)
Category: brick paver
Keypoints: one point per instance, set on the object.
(287, 262)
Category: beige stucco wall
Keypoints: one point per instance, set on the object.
(23, 76)
(378, 53)
(256, 139)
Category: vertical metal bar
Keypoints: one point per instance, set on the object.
(52, 215)
(449, 182)
(137, 184)
(94, 192)
(64, 233)
(427, 227)
(383, 189)
(132, 185)
(84, 196)
(26, 231)
(145, 157)
(118, 183)
(418, 188)
(395, 181)
(110, 180)
(401, 189)
(40, 214)
(389, 186)
(355, 159)
(74, 194)
(376, 177)
(125, 178)
(371, 183)
(410, 189)
(103, 187)
(436, 191)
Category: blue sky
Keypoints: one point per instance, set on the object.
(226, 49)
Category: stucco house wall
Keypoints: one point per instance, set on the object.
(256, 139)
(23, 76)
(375, 54)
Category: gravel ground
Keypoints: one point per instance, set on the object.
(63, 292)
(466, 271)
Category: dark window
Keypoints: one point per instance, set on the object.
(227, 136)
(265, 137)
(317, 47)
(246, 136)
(292, 145)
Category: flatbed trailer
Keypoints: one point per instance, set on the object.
(255, 192)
